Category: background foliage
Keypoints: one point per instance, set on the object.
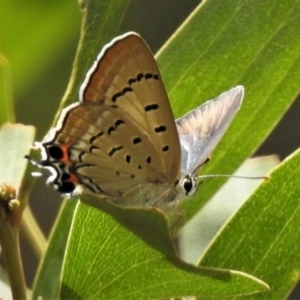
(258, 39)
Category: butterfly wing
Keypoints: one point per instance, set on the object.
(126, 75)
(121, 136)
(201, 129)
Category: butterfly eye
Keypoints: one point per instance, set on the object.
(188, 185)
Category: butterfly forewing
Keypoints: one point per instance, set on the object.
(120, 140)
(126, 75)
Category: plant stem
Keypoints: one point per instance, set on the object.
(9, 239)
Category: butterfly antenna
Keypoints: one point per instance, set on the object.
(35, 163)
(232, 176)
(32, 160)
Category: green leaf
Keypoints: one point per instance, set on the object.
(114, 263)
(263, 238)
(223, 44)
(15, 142)
(7, 113)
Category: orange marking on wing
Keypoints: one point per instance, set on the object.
(65, 159)
(73, 178)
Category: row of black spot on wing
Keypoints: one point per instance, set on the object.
(56, 153)
(131, 81)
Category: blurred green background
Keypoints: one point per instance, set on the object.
(39, 39)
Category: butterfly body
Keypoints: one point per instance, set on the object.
(120, 140)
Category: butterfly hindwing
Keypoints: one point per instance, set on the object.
(201, 129)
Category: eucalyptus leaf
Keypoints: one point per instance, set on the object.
(263, 237)
(115, 263)
(223, 44)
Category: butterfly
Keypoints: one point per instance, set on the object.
(120, 140)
